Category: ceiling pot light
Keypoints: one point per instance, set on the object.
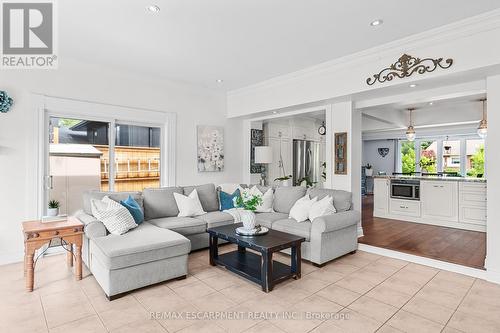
(153, 8)
(413, 85)
(410, 131)
(219, 80)
(376, 22)
(482, 130)
(431, 103)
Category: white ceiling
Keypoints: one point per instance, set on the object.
(240, 41)
(448, 112)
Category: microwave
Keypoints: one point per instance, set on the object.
(408, 189)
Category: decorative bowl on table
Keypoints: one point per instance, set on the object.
(257, 231)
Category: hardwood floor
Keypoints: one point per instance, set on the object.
(457, 246)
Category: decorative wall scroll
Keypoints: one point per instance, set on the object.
(340, 153)
(256, 140)
(406, 66)
(383, 151)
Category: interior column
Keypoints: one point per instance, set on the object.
(341, 117)
(493, 178)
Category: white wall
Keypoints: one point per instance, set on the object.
(493, 165)
(371, 155)
(84, 82)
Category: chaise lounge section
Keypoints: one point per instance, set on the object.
(157, 250)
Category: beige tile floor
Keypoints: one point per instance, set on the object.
(357, 293)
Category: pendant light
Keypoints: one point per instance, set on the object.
(410, 131)
(482, 130)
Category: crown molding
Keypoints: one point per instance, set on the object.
(463, 28)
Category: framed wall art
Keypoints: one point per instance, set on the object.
(210, 148)
(256, 140)
(340, 153)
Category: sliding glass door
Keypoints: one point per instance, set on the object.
(76, 149)
(137, 157)
(82, 156)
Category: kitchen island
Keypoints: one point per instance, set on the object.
(456, 202)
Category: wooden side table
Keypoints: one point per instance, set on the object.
(37, 234)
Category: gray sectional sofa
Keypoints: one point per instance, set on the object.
(157, 249)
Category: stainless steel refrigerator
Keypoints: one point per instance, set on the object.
(306, 163)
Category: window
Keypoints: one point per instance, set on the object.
(79, 159)
(475, 158)
(428, 153)
(451, 156)
(407, 156)
(77, 151)
(137, 157)
(455, 156)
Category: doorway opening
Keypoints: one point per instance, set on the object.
(426, 195)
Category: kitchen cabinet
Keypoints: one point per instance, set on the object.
(302, 133)
(273, 169)
(405, 207)
(381, 197)
(439, 200)
(472, 200)
(277, 130)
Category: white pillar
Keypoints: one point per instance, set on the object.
(493, 165)
(342, 118)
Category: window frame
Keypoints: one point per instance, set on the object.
(439, 154)
(48, 107)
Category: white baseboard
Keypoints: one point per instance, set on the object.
(474, 272)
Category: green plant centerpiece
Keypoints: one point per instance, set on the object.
(53, 208)
(249, 203)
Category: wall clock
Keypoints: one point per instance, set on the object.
(322, 129)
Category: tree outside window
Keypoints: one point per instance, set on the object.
(407, 157)
(428, 156)
(476, 162)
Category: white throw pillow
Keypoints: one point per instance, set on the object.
(115, 217)
(267, 200)
(189, 205)
(301, 208)
(322, 207)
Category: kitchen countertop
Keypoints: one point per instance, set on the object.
(449, 179)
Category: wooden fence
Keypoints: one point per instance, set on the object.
(136, 168)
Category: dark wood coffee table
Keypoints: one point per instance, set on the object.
(261, 268)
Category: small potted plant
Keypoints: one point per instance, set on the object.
(53, 209)
(305, 182)
(249, 203)
(284, 181)
(369, 170)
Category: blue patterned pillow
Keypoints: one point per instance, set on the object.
(227, 200)
(134, 208)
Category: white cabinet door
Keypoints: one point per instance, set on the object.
(275, 130)
(439, 200)
(286, 153)
(380, 197)
(472, 203)
(405, 207)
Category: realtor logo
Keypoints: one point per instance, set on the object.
(28, 35)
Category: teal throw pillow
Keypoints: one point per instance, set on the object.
(227, 200)
(134, 208)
